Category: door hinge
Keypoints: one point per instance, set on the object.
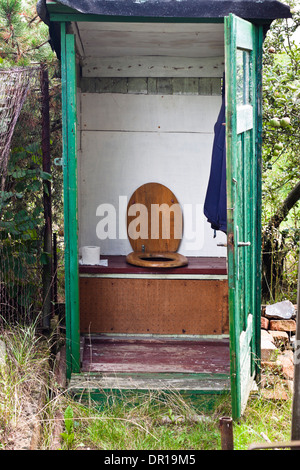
(58, 161)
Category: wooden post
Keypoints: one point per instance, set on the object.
(55, 267)
(296, 396)
(47, 266)
(226, 433)
(257, 274)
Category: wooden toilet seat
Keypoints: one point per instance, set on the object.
(154, 214)
(156, 260)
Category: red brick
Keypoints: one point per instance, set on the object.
(286, 361)
(282, 325)
(264, 323)
(278, 392)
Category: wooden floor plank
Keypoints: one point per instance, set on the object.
(115, 355)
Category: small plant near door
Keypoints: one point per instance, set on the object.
(68, 436)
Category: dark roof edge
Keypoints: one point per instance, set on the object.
(252, 9)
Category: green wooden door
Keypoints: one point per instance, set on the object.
(243, 202)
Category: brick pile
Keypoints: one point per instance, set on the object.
(277, 354)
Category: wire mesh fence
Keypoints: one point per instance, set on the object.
(24, 184)
(14, 86)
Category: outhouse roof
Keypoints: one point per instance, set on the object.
(256, 11)
(248, 9)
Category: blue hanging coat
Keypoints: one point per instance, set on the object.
(215, 201)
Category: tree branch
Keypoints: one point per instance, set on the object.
(283, 210)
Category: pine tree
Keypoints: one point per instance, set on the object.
(23, 36)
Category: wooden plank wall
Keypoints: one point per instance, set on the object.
(154, 66)
(209, 86)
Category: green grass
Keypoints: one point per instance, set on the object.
(264, 420)
(161, 421)
(152, 421)
(167, 422)
(24, 364)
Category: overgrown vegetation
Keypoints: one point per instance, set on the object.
(281, 158)
(21, 199)
(151, 421)
(21, 234)
(24, 362)
(161, 421)
(166, 422)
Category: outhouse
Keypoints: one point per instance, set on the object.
(161, 105)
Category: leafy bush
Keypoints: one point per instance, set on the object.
(21, 225)
(281, 161)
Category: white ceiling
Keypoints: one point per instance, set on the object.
(150, 39)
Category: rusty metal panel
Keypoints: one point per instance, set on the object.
(154, 306)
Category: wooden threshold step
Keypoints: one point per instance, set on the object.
(105, 382)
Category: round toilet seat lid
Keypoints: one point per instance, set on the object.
(154, 219)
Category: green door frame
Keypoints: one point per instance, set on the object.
(65, 15)
(69, 126)
(69, 121)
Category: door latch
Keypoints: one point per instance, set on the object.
(238, 244)
(238, 241)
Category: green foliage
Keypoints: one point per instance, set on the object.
(23, 364)
(281, 100)
(24, 41)
(21, 223)
(281, 153)
(264, 418)
(142, 421)
(23, 37)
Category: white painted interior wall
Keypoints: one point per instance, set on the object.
(126, 140)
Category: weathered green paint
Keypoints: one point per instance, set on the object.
(203, 403)
(198, 389)
(69, 120)
(243, 182)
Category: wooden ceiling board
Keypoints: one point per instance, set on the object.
(152, 27)
(152, 40)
